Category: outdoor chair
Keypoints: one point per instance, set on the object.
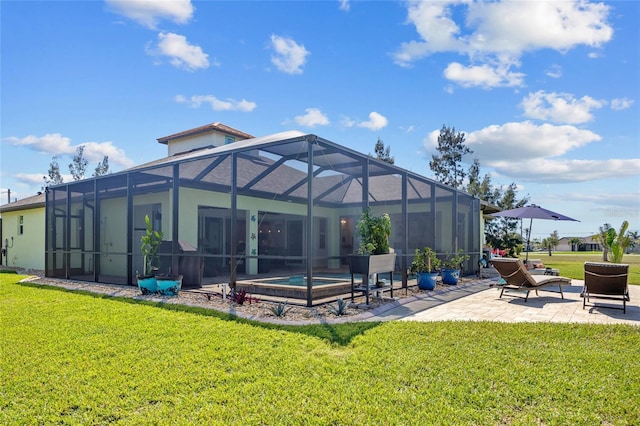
(606, 281)
(517, 277)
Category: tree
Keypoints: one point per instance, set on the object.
(103, 167)
(618, 242)
(79, 165)
(383, 153)
(551, 242)
(54, 177)
(602, 239)
(575, 243)
(447, 166)
(481, 188)
(501, 232)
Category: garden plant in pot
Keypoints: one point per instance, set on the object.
(451, 267)
(425, 265)
(169, 284)
(373, 254)
(150, 244)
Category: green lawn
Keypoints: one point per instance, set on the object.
(76, 358)
(571, 265)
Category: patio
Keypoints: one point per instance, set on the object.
(485, 305)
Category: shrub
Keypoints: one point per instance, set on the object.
(280, 309)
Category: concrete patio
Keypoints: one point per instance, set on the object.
(484, 304)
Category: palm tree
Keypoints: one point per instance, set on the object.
(602, 239)
(575, 243)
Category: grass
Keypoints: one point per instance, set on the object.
(75, 358)
(571, 264)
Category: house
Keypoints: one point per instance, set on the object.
(251, 208)
(589, 243)
(23, 233)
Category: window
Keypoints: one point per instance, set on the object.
(21, 225)
(229, 139)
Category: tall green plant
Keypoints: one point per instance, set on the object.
(374, 232)
(618, 242)
(425, 260)
(150, 244)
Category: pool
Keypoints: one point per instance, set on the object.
(295, 287)
(301, 281)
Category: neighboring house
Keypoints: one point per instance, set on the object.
(23, 233)
(283, 204)
(586, 244)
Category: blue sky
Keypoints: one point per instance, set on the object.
(547, 93)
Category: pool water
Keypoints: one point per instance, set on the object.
(301, 281)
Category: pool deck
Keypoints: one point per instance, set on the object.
(480, 301)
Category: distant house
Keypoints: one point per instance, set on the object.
(586, 244)
(279, 205)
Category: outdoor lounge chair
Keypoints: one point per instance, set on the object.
(606, 281)
(517, 277)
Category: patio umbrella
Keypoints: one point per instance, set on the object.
(532, 212)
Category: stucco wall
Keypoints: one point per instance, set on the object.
(27, 250)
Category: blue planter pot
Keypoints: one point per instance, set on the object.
(450, 276)
(427, 280)
(169, 285)
(147, 284)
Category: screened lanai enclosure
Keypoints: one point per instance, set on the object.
(265, 212)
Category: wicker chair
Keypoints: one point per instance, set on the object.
(606, 281)
(517, 277)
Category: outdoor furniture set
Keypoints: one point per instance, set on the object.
(601, 280)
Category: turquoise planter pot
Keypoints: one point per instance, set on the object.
(450, 276)
(427, 280)
(169, 285)
(147, 284)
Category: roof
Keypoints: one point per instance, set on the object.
(276, 167)
(32, 202)
(213, 150)
(204, 129)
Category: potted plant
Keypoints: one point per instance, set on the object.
(425, 265)
(150, 244)
(451, 267)
(373, 254)
(169, 284)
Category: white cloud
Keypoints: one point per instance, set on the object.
(182, 54)
(523, 151)
(217, 104)
(347, 122)
(149, 12)
(554, 71)
(498, 33)
(36, 179)
(623, 103)
(51, 143)
(95, 152)
(567, 171)
(313, 117)
(289, 56)
(58, 145)
(603, 199)
(559, 107)
(482, 76)
(345, 5)
(376, 121)
(521, 141)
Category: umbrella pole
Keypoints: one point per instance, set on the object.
(526, 259)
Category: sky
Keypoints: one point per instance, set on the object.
(546, 92)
